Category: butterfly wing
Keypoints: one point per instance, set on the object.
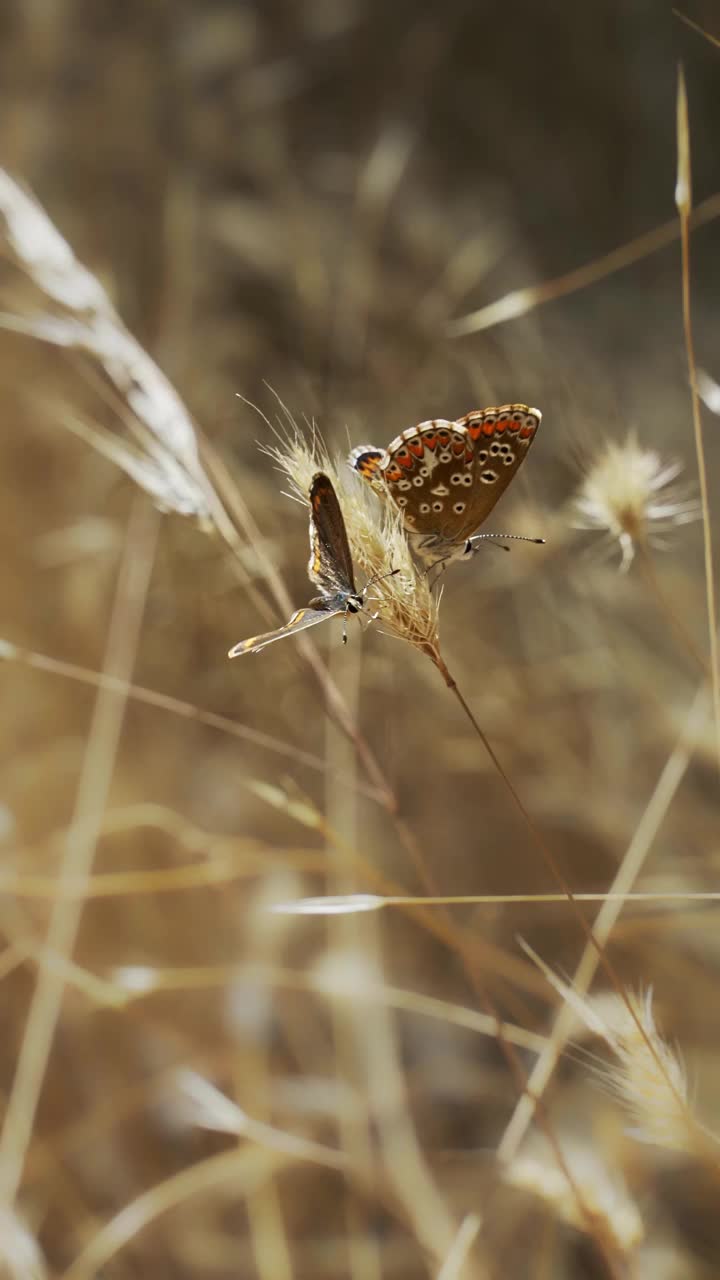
(428, 474)
(300, 621)
(447, 476)
(330, 566)
(365, 460)
(501, 437)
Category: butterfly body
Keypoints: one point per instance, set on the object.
(445, 477)
(330, 568)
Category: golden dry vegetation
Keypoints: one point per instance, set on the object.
(344, 217)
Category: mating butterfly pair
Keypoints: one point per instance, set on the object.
(444, 477)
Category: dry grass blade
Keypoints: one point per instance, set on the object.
(90, 801)
(694, 26)
(521, 301)
(168, 466)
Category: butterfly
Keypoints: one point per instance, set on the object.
(445, 477)
(330, 567)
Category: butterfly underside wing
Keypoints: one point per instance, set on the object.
(300, 621)
(445, 477)
(330, 568)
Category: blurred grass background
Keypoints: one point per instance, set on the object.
(298, 199)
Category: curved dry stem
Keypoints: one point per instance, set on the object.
(683, 196)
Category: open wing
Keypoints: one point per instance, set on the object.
(300, 621)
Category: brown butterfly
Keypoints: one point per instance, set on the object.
(446, 477)
(330, 567)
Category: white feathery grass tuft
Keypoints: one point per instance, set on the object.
(591, 1198)
(629, 492)
(648, 1075)
(404, 600)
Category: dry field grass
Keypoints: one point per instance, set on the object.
(344, 217)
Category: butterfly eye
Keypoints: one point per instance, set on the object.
(457, 478)
(458, 508)
(424, 508)
(418, 481)
(424, 472)
(403, 484)
(489, 477)
(467, 479)
(437, 506)
(402, 502)
(445, 456)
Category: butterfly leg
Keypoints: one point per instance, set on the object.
(437, 570)
(372, 617)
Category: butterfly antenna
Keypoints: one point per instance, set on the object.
(380, 577)
(511, 537)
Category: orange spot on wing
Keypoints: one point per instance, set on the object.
(404, 459)
(416, 447)
(368, 464)
(488, 428)
(502, 425)
(458, 447)
(430, 442)
(527, 432)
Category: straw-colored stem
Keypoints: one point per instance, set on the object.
(93, 787)
(684, 204)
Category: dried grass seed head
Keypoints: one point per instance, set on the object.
(593, 1197)
(630, 494)
(73, 311)
(648, 1074)
(404, 601)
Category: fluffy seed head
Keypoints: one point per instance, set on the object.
(629, 493)
(648, 1075)
(596, 1198)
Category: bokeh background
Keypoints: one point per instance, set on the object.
(296, 201)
